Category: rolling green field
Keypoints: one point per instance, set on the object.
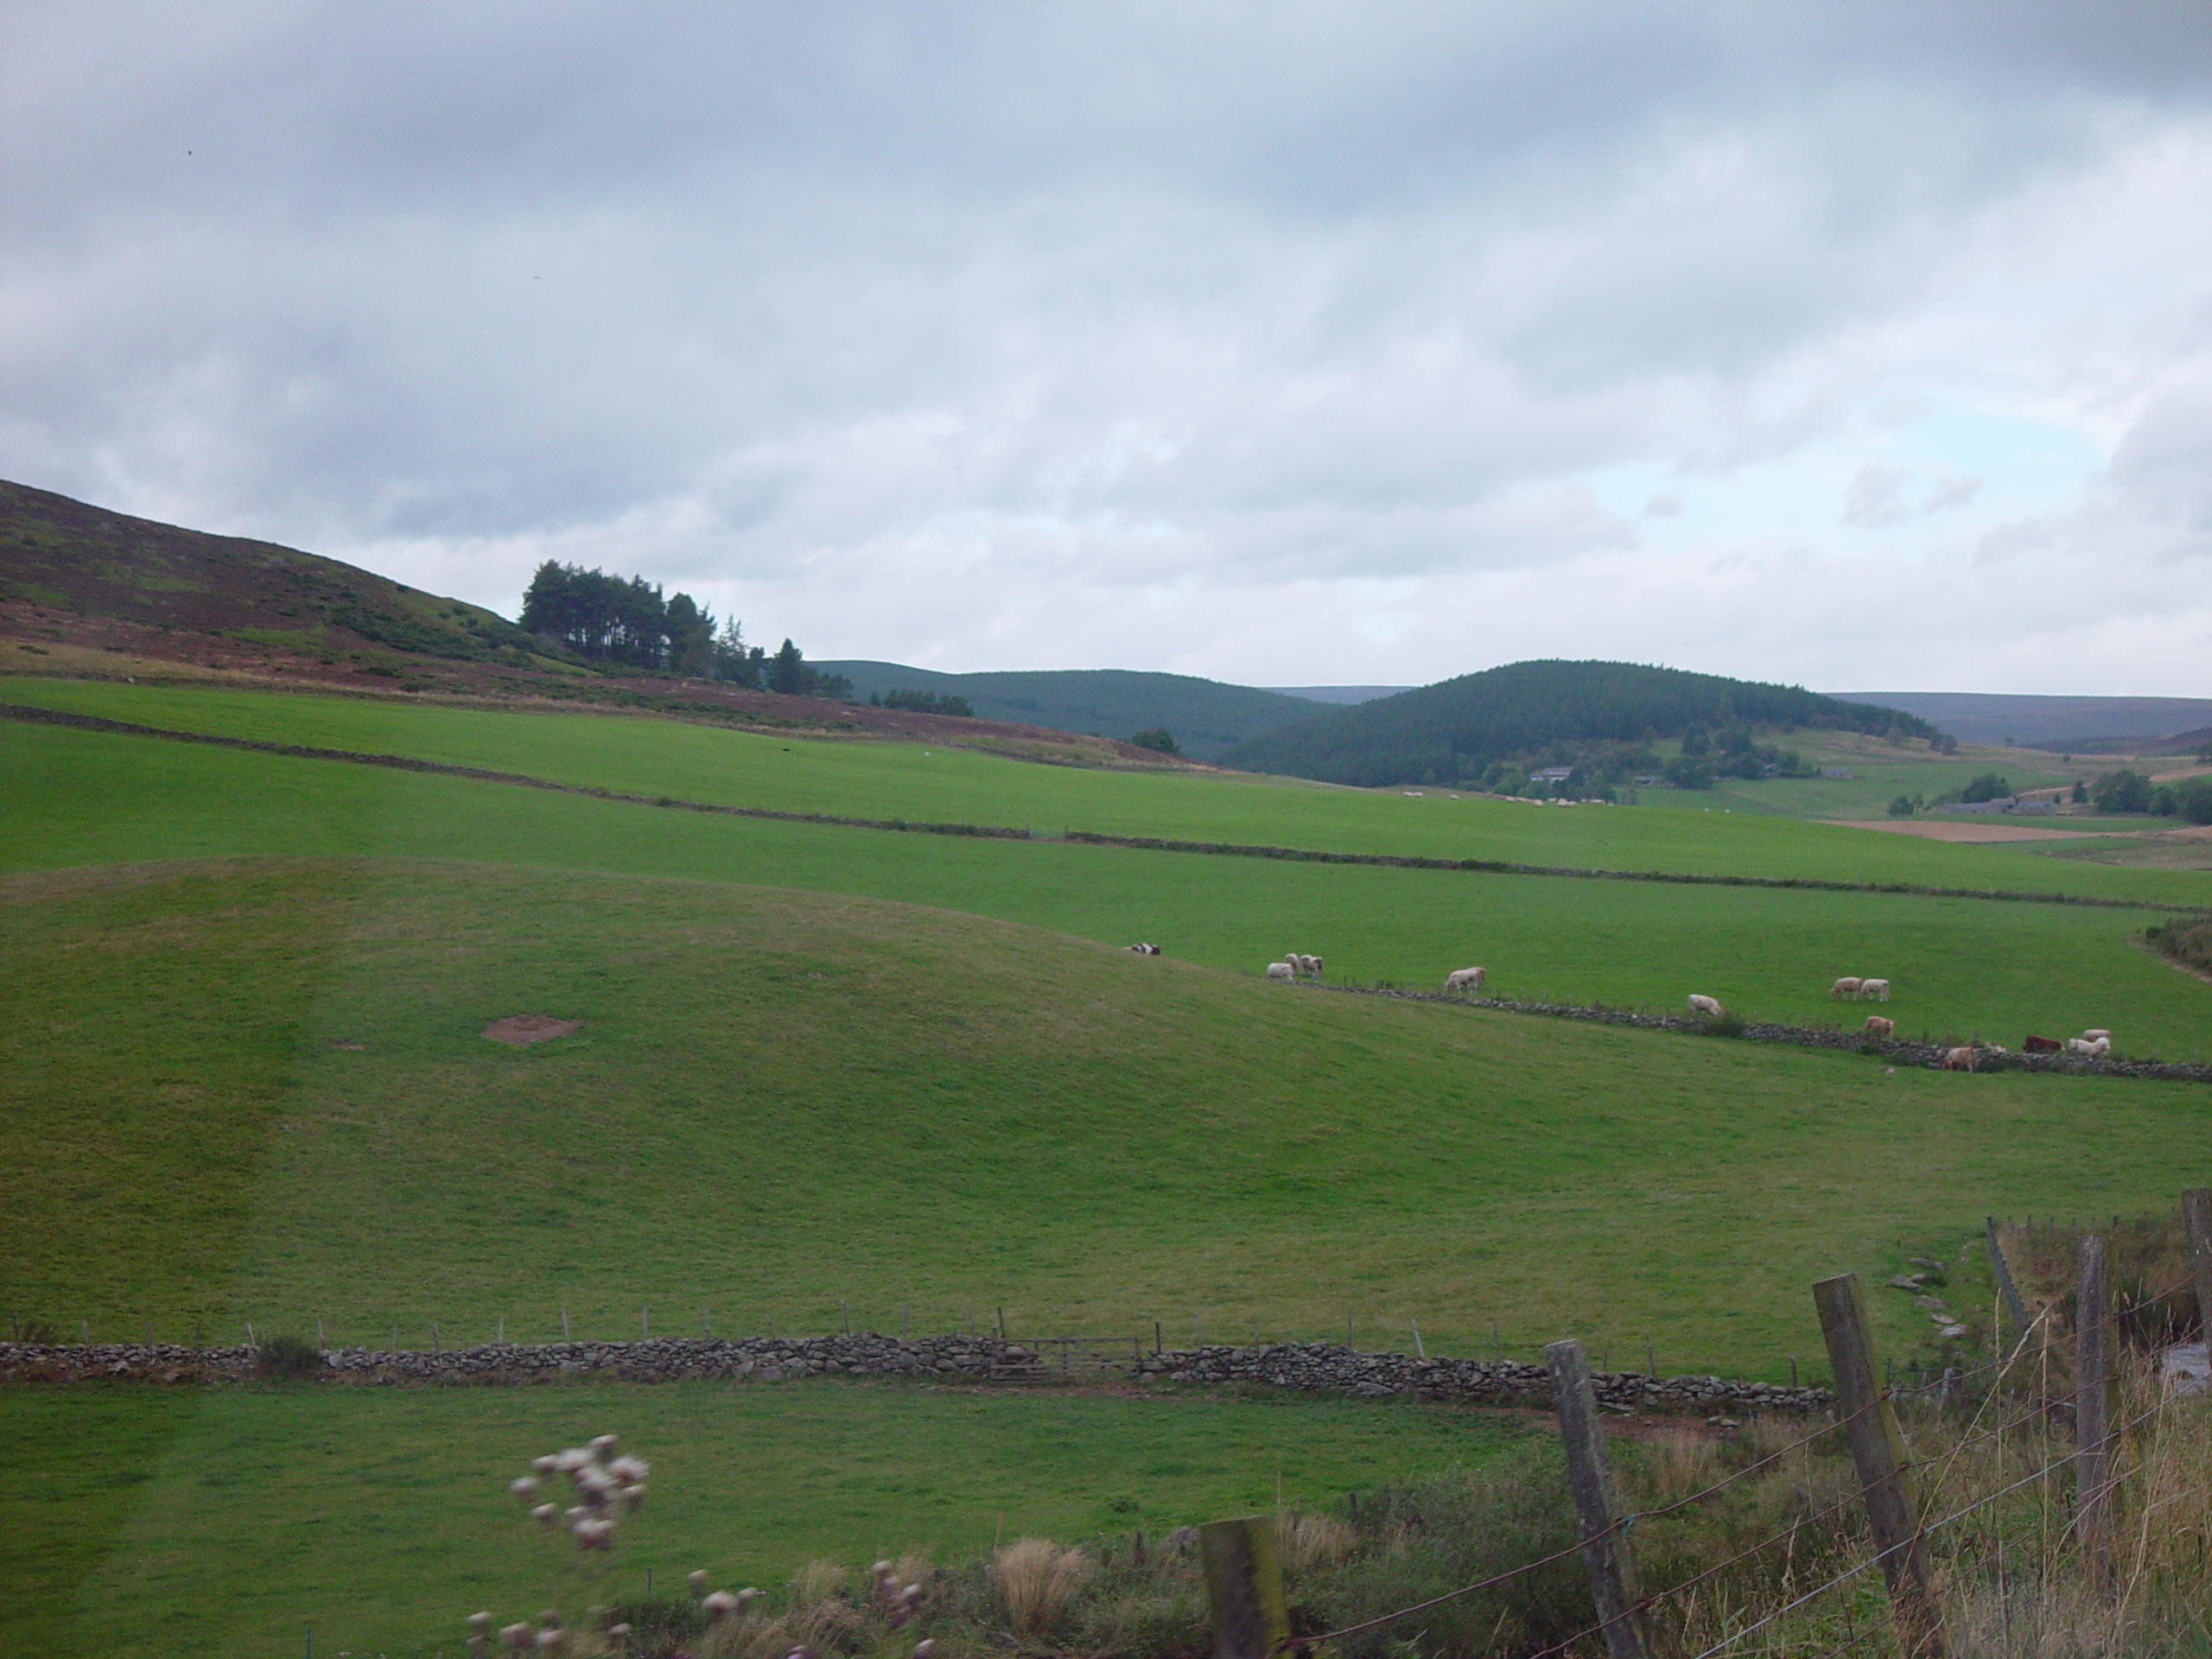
(916, 1077)
(782, 1102)
(154, 1523)
(1961, 966)
(861, 777)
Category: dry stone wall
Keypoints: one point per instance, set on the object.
(1318, 1368)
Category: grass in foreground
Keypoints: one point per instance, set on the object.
(149, 1521)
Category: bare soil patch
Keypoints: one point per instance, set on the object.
(530, 1028)
(1933, 830)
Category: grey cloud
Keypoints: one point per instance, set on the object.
(1875, 497)
(1021, 305)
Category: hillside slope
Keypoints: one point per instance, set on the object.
(2079, 724)
(1450, 731)
(1205, 717)
(61, 555)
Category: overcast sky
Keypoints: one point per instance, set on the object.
(1858, 345)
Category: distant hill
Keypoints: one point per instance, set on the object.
(2083, 725)
(1339, 693)
(1443, 732)
(1204, 717)
(66, 555)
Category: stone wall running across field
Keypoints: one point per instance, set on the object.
(1897, 1050)
(1317, 1368)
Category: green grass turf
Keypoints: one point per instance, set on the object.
(861, 777)
(1960, 966)
(782, 1101)
(164, 1522)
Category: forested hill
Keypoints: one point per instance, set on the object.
(1540, 712)
(1204, 717)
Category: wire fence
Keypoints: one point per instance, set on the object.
(2035, 1346)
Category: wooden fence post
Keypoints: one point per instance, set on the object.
(1878, 1453)
(2092, 1413)
(1243, 1587)
(2197, 1225)
(2002, 1273)
(1604, 1548)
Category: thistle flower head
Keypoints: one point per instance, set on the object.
(479, 1621)
(698, 1580)
(515, 1636)
(629, 1469)
(601, 1445)
(924, 1649)
(545, 1514)
(748, 1596)
(524, 1486)
(632, 1497)
(720, 1605)
(593, 1533)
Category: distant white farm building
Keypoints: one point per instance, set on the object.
(1552, 774)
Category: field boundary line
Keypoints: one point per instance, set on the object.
(1760, 1031)
(36, 715)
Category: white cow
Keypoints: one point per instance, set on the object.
(1281, 970)
(1144, 949)
(1468, 980)
(2091, 1048)
(1958, 1059)
(1877, 988)
(1845, 986)
(1705, 1005)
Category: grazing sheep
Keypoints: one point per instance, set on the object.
(1468, 980)
(2036, 1045)
(1845, 987)
(2094, 1032)
(1706, 1006)
(1281, 970)
(1144, 949)
(1878, 1026)
(1310, 966)
(2094, 1049)
(1958, 1059)
(1878, 989)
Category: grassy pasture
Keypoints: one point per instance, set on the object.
(869, 779)
(157, 1523)
(782, 1101)
(1961, 967)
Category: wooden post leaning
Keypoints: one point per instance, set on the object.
(2197, 1227)
(2093, 1391)
(1606, 1551)
(1878, 1453)
(1243, 1587)
(2003, 1274)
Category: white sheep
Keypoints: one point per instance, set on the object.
(1878, 989)
(2090, 1048)
(1281, 970)
(1468, 980)
(1309, 966)
(1845, 987)
(1706, 1006)
(1958, 1059)
(2094, 1032)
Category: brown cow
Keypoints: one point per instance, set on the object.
(1878, 1026)
(2036, 1045)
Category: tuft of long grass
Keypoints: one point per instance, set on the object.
(1036, 1578)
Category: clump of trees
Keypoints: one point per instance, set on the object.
(925, 702)
(625, 621)
(1157, 738)
(2127, 791)
(1987, 786)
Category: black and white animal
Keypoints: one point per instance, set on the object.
(1144, 949)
